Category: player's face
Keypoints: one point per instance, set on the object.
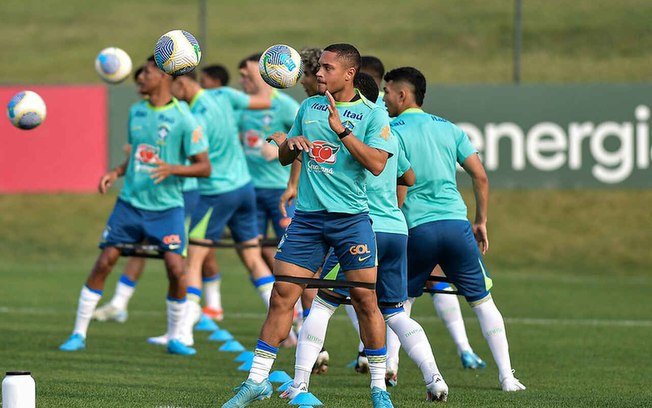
(177, 89)
(151, 78)
(246, 82)
(309, 82)
(392, 98)
(333, 73)
(207, 82)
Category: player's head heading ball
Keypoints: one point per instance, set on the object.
(366, 85)
(338, 65)
(405, 88)
(152, 78)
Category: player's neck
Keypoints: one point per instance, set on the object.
(409, 106)
(345, 95)
(160, 98)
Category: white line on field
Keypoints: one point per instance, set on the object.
(530, 321)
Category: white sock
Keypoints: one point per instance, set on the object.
(124, 290)
(311, 340)
(493, 329)
(350, 311)
(264, 356)
(176, 312)
(191, 317)
(377, 367)
(393, 347)
(212, 294)
(448, 310)
(415, 343)
(88, 300)
(264, 287)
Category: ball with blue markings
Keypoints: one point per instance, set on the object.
(113, 65)
(26, 110)
(177, 52)
(280, 66)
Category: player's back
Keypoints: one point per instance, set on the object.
(433, 146)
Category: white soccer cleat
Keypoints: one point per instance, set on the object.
(110, 312)
(511, 384)
(291, 392)
(362, 363)
(437, 390)
(159, 340)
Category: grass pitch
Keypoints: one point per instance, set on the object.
(570, 276)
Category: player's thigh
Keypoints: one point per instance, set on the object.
(243, 223)
(391, 281)
(288, 289)
(211, 215)
(124, 226)
(462, 262)
(331, 271)
(166, 229)
(303, 243)
(423, 251)
(262, 213)
(353, 240)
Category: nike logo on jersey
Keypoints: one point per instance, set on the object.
(174, 246)
(307, 122)
(363, 258)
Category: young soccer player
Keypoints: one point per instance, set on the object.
(439, 232)
(340, 136)
(163, 134)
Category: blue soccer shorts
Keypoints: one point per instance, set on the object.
(130, 225)
(190, 200)
(310, 235)
(451, 245)
(267, 201)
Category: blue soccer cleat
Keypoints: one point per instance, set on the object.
(248, 392)
(75, 342)
(380, 398)
(472, 360)
(177, 347)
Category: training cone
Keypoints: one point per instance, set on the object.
(279, 377)
(244, 357)
(205, 323)
(305, 399)
(220, 335)
(246, 366)
(232, 345)
(284, 386)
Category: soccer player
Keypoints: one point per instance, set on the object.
(391, 288)
(310, 58)
(214, 76)
(374, 66)
(227, 196)
(339, 136)
(163, 134)
(439, 232)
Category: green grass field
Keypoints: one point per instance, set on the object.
(571, 279)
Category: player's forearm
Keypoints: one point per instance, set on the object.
(481, 192)
(285, 155)
(121, 169)
(198, 169)
(401, 193)
(371, 158)
(295, 172)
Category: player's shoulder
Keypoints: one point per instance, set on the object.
(285, 99)
(315, 102)
(139, 108)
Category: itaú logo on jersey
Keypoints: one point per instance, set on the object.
(324, 152)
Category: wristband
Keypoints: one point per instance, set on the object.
(344, 133)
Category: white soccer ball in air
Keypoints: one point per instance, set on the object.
(280, 66)
(113, 65)
(177, 52)
(26, 110)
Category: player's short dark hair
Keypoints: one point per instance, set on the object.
(373, 65)
(412, 76)
(137, 72)
(252, 57)
(217, 71)
(310, 58)
(366, 85)
(346, 52)
(192, 75)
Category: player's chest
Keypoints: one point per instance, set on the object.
(316, 126)
(156, 128)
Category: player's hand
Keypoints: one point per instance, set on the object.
(481, 237)
(299, 143)
(288, 196)
(106, 181)
(277, 137)
(334, 120)
(161, 171)
(269, 152)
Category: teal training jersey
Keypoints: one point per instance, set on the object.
(255, 127)
(230, 170)
(331, 179)
(168, 133)
(237, 99)
(433, 146)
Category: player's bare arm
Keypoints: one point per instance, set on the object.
(473, 166)
(407, 179)
(200, 167)
(292, 147)
(107, 179)
(371, 158)
(290, 192)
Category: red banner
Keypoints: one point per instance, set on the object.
(67, 152)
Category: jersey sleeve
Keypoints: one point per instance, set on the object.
(194, 141)
(378, 133)
(464, 146)
(239, 100)
(289, 112)
(403, 162)
(297, 128)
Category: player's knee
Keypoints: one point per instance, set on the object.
(363, 300)
(104, 265)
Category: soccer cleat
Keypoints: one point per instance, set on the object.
(215, 314)
(510, 384)
(159, 340)
(75, 342)
(110, 312)
(293, 391)
(437, 390)
(361, 363)
(177, 347)
(248, 392)
(321, 364)
(472, 360)
(391, 377)
(380, 398)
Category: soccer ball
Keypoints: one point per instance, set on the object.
(113, 65)
(26, 110)
(177, 52)
(280, 66)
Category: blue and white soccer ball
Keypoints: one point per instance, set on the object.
(280, 66)
(113, 65)
(177, 52)
(26, 110)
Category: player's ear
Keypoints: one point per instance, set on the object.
(350, 74)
